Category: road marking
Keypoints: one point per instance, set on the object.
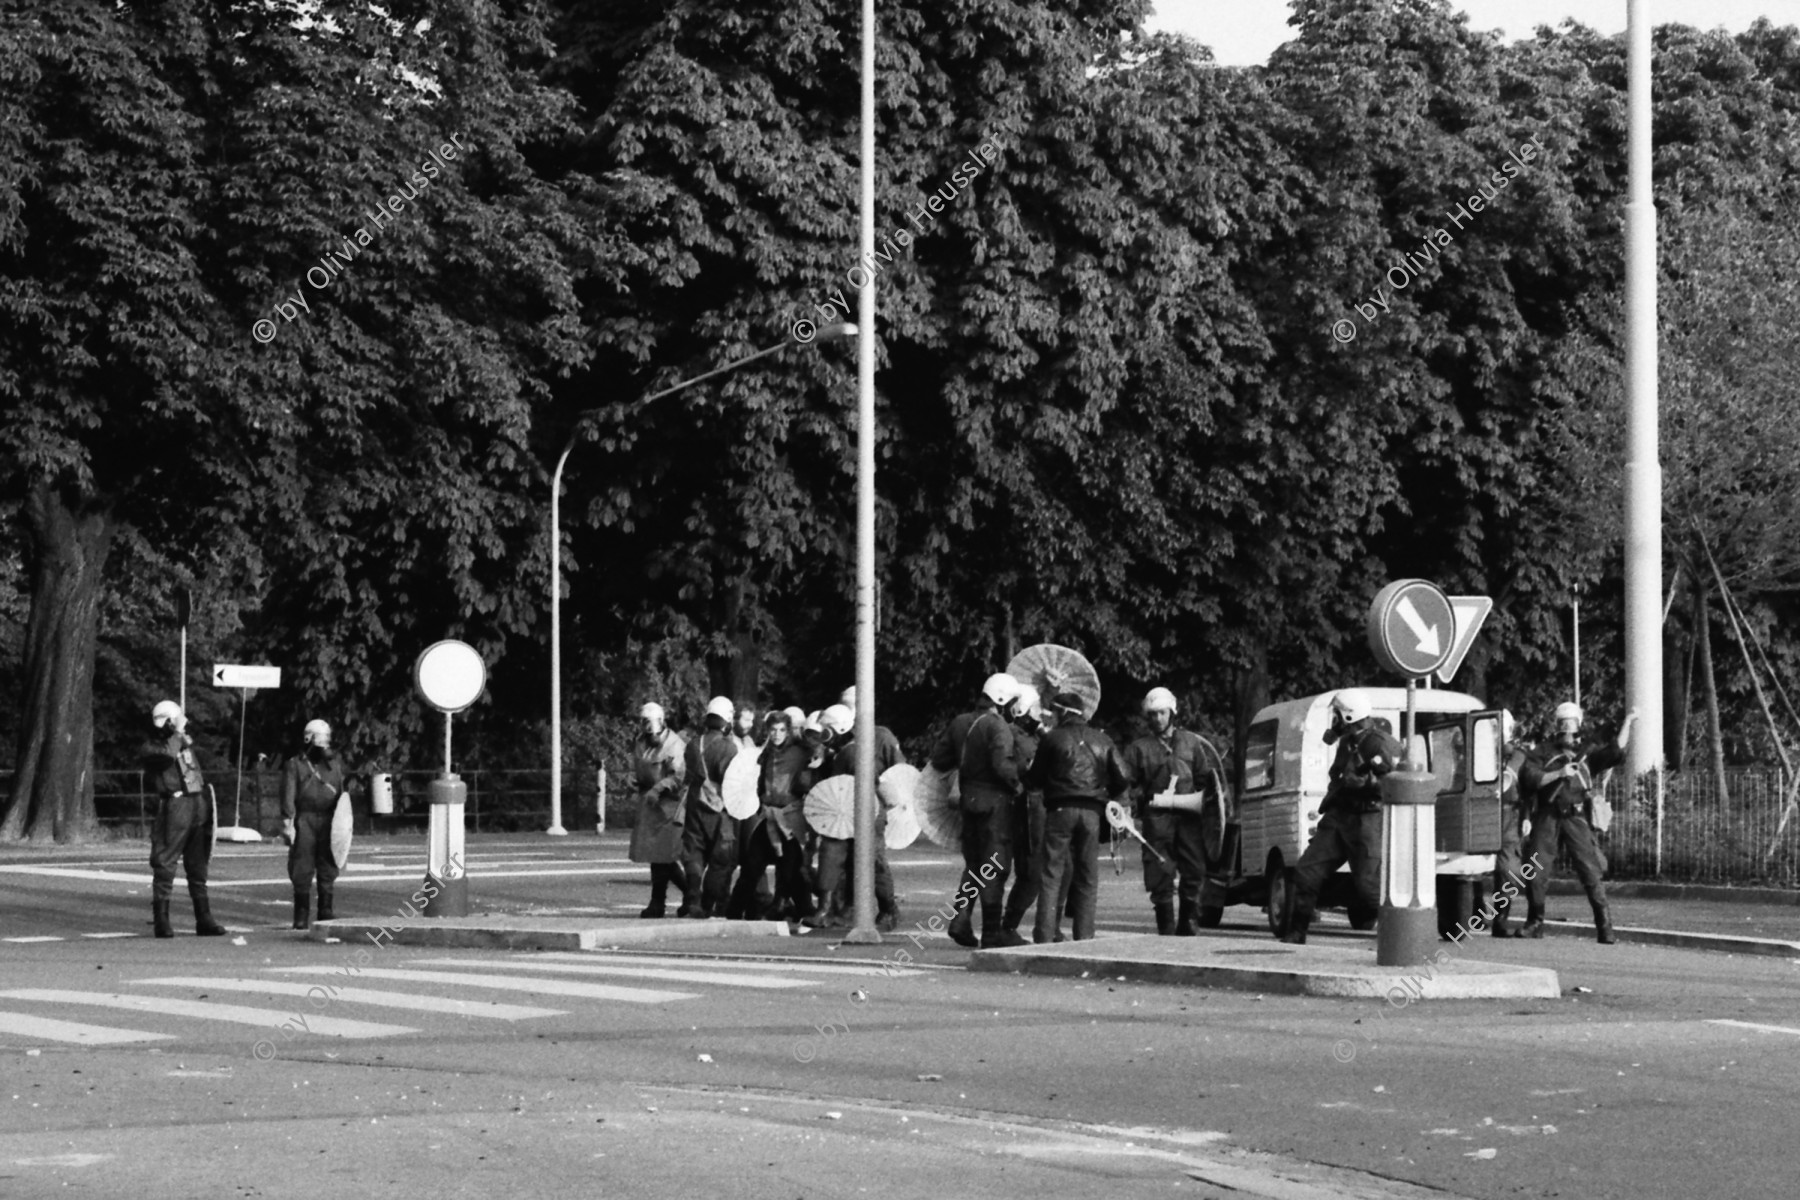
(822, 968)
(1758, 1028)
(111, 935)
(418, 875)
(50, 1028)
(355, 995)
(630, 972)
(24, 940)
(75, 873)
(205, 1010)
(541, 987)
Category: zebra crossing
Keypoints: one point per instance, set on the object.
(416, 992)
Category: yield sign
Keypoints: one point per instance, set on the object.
(1470, 612)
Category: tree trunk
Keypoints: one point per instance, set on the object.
(1678, 657)
(736, 674)
(1714, 737)
(53, 788)
(1250, 689)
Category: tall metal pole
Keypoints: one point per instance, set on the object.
(556, 825)
(863, 930)
(1643, 470)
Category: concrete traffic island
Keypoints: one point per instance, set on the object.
(504, 932)
(1245, 964)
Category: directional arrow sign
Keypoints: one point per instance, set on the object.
(1470, 612)
(234, 675)
(1411, 627)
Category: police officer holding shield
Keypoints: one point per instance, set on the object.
(311, 783)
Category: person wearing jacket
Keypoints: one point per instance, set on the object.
(780, 840)
(311, 783)
(1349, 828)
(709, 837)
(1558, 779)
(841, 720)
(1508, 882)
(1078, 769)
(1028, 813)
(659, 772)
(182, 832)
(1169, 759)
(989, 786)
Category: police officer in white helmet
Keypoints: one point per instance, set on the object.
(989, 786)
(1169, 759)
(182, 831)
(1349, 828)
(709, 836)
(1558, 782)
(659, 775)
(311, 783)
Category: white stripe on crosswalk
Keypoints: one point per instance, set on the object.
(329, 992)
(630, 972)
(541, 987)
(110, 935)
(1758, 1028)
(75, 873)
(731, 964)
(24, 940)
(236, 1013)
(53, 1030)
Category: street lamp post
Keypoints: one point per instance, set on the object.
(824, 334)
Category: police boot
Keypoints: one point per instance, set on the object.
(1296, 934)
(204, 925)
(1165, 918)
(325, 910)
(1603, 930)
(159, 910)
(1500, 928)
(1190, 917)
(962, 929)
(302, 910)
(1534, 924)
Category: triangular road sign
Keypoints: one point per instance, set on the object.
(1470, 612)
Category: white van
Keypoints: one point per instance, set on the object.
(1286, 772)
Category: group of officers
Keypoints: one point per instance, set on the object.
(181, 835)
(1033, 784)
(1546, 806)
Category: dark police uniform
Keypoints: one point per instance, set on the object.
(776, 836)
(1150, 763)
(311, 783)
(709, 836)
(1559, 819)
(837, 856)
(182, 833)
(988, 782)
(1349, 828)
(1078, 768)
(1508, 882)
(1028, 832)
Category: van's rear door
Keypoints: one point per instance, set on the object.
(1467, 755)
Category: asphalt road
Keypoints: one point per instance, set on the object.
(269, 1065)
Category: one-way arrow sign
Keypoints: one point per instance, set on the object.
(235, 675)
(1470, 612)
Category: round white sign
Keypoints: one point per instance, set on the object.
(450, 676)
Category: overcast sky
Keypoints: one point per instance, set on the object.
(1242, 32)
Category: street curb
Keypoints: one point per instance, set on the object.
(1305, 970)
(552, 933)
(1726, 943)
(1630, 890)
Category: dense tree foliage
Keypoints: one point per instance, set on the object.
(1177, 363)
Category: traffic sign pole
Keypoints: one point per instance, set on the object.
(1412, 632)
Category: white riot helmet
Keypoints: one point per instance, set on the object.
(848, 698)
(796, 717)
(1568, 710)
(1028, 702)
(1352, 704)
(317, 733)
(1509, 725)
(719, 706)
(837, 720)
(1000, 688)
(1160, 699)
(164, 712)
(652, 712)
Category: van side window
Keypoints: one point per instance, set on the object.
(1487, 750)
(1259, 755)
(1449, 758)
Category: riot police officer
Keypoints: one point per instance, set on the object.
(1169, 759)
(182, 832)
(1349, 828)
(1559, 779)
(311, 783)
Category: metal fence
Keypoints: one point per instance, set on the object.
(499, 801)
(1748, 836)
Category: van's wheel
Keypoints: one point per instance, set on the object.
(1281, 896)
(1455, 904)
